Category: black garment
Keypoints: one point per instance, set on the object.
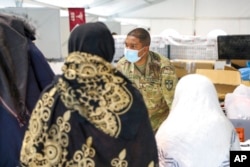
(94, 38)
(24, 73)
(91, 115)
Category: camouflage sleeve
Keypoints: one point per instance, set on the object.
(120, 65)
(168, 82)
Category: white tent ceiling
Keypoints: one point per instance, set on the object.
(185, 16)
(154, 9)
(102, 8)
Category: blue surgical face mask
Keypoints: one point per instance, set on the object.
(132, 55)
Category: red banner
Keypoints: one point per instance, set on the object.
(76, 17)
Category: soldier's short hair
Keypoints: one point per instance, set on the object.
(142, 34)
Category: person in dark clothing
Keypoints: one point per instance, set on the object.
(91, 115)
(24, 73)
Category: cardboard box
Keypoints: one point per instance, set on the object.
(184, 67)
(247, 83)
(230, 68)
(225, 81)
(180, 68)
(239, 63)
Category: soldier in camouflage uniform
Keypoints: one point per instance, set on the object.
(151, 73)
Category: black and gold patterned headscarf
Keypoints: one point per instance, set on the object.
(90, 116)
(95, 38)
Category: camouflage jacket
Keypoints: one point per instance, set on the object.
(157, 85)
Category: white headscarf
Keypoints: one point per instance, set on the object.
(196, 133)
(237, 103)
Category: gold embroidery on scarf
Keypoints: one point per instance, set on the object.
(114, 99)
(120, 162)
(85, 156)
(100, 86)
(151, 164)
(54, 142)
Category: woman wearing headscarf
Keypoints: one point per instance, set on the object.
(196, 133)
(91, 115)
(24, 73)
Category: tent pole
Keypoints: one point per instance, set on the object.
(194, 17)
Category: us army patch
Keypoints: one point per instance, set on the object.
(169, 84)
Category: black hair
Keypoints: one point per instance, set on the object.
(142, 34)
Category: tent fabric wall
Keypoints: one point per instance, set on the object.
(187, 17)
(47, 23)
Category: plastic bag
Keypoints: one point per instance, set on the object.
(237, 104)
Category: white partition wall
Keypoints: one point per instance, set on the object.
(47, 23)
